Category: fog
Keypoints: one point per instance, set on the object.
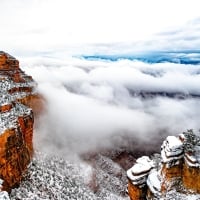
(88, 103)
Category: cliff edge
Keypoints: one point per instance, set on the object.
(18, 101)
(174, 174)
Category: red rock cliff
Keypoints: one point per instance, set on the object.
(17, 98)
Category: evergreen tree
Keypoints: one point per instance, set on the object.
(191, 140)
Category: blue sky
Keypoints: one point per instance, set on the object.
(76, 27)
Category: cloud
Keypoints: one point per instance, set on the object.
(77, 27)
(90, 102)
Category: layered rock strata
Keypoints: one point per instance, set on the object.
(17, 94)
(179, 168)
(171, 154)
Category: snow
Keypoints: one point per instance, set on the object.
(174, 195)
(137, 180)
(143, 165)
(3, 194)
(173, 143)
(172, 150)
(52, 178)
(154, 183)
(166, 159)
(139, 168)
(139, 172)
(5, 99)
(110, 178)
(6, 84)
(8, 120)
(192, 158)
(55, 178)
(191, 161)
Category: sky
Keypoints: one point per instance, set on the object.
(77, 27)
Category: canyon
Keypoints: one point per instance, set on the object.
(153, 176)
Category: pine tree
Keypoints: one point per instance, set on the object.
(191, 140)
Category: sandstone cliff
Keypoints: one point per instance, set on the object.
(176, 170)
(17, 98)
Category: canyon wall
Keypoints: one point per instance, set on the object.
(18, 102)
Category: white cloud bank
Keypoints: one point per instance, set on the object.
(90, 101)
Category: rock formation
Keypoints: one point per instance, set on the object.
(177, 169)
(17, 98)
(137, 176)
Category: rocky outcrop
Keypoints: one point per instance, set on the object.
(191, 165)
(177, 169)
(171, 154)
(17, 98)
(137, 177)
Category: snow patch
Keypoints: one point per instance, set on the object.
(154, 183)
(139, 172)
(3, 194)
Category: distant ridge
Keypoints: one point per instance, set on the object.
(181, 57)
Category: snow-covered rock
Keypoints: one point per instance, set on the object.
(179, 171)
(139, 172)
(171, 150)
(154, 183)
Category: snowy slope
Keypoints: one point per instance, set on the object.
(55, 178)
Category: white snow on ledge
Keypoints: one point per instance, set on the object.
(143, 164)
(139, 172)
(8, 120)
(191, 161)
(154, 183)
(166, 159)
(174, 143)
(172, 149)
(4, 195)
